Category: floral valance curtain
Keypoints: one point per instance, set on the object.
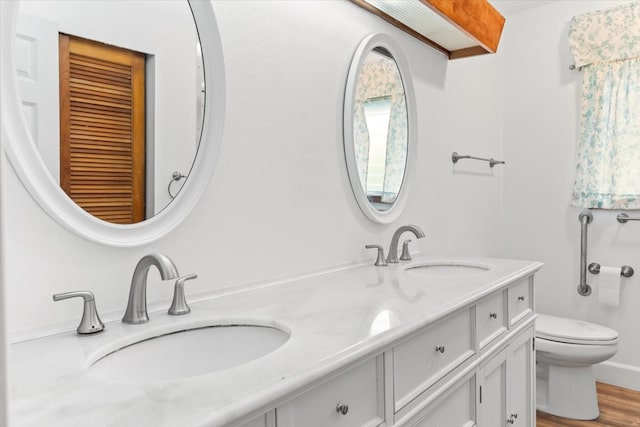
(381, 78)
(606, 46)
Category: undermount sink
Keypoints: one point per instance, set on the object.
(449, 268)
(188, 353)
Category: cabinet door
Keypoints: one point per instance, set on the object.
(457, 409)
(521, 380)
(492, 392)
(506, 385)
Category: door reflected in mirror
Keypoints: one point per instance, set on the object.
(113, 96)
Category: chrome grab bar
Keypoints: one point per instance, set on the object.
(623, 218)
(492, 162)
(585, 218)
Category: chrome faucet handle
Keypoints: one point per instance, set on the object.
(380, 261)
(179, 304)
(90, 323)
(406, 255)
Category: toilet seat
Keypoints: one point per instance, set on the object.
(572, 331)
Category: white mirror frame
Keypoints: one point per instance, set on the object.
(23, 155)
(369, 43)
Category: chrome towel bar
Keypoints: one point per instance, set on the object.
(492, 162)
(623, 218)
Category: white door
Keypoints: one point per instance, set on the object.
(37, 69)
(492, 392)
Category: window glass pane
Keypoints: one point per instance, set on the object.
(377, 113)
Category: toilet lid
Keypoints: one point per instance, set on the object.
(572, 331)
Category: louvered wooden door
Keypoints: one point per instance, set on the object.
(102, 129)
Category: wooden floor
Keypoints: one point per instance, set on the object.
(619, 407)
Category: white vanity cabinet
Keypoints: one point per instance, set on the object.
(505, 385)
(474, 367)
(424, 343)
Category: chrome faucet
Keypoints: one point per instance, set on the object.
(392, 256)
(137, 305)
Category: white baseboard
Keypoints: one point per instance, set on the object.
(618, 374)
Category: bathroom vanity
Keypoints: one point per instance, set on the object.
(421, 343)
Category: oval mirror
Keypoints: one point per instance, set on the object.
(113, 103)
(378, 128)
(109, 113)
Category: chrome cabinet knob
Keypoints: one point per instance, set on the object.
(179, 304)
(90, 322)
(440, 348)
(521, 298)
(342, 408)
(493, 315)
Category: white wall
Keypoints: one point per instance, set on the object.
(173, 88)
(540, 134)
(3, 310)
(280, 202)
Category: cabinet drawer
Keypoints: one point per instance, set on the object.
(520, 298)
(359, 391)
(491, 318)
(456, 410)
(425, 358)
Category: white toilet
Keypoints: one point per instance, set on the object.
(566, 351)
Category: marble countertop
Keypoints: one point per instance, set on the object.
(334, 319)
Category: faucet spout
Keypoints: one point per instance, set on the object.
(137, 306)
(392, 256)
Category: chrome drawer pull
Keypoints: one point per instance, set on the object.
(440, 348)
(493, 315)
(342, 408)
(520, 298)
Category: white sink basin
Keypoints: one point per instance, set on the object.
(449, 268)
(188, 353)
